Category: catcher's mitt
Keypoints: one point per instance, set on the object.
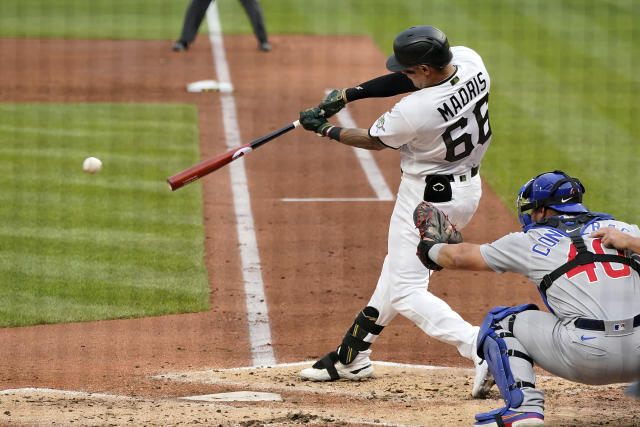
(435, 227)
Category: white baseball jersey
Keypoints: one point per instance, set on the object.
(442, 129)
(605, 291)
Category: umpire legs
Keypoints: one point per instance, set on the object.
(193, 19)
(254, 12)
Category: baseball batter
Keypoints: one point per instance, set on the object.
(442, 131)
(585, 266)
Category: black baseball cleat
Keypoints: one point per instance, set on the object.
(180, 46)
(264, 46)
(329, 368)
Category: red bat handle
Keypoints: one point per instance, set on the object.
(205, 167)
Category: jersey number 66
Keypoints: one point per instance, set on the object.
(465, 138)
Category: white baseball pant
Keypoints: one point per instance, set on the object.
(403, 283)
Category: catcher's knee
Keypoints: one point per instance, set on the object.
(360, 335)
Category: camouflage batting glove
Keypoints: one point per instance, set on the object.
(313, 119)
(333, 102)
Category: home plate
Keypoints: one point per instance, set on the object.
(236, 396)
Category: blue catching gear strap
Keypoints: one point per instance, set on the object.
(494, 350)
(495, 415)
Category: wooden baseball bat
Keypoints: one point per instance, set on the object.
(205, 167)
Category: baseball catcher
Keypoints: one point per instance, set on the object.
(585, 265)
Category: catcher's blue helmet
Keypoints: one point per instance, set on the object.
(555, 190)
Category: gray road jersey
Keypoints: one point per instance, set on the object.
(606, 291)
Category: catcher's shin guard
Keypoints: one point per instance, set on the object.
(360, 335)
(493, 346)
(497, 356)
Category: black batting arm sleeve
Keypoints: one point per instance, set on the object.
(381, 87)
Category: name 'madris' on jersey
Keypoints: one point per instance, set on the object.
(443, 128)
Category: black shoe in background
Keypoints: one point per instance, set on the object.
(264, 46)
(180, 46)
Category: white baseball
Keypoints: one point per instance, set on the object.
(92, 165)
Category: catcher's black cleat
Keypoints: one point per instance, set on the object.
(329, 368)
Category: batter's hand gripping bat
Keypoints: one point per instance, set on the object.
(205, 167)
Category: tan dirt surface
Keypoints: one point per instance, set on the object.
(320, 261)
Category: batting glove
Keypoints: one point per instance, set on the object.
(313, 119)
(333, 102)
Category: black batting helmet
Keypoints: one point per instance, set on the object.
(421, 45)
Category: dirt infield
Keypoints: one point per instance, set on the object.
(399, 395)
(320, 262)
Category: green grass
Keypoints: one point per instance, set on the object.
(109, 19)
(116, 244)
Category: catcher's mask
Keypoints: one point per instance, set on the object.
(555, 190)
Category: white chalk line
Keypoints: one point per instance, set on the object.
(330, 199)
(83, 394)
(256, 302)
(66, 392)
(311, 362)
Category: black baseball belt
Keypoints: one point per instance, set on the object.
(599, 325)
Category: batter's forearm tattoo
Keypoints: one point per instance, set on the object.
(359, 138)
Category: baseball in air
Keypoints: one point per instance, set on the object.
(92, 165)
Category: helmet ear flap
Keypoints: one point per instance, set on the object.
(525, 219)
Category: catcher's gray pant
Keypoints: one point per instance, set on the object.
(580, 355)
(198, 8)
